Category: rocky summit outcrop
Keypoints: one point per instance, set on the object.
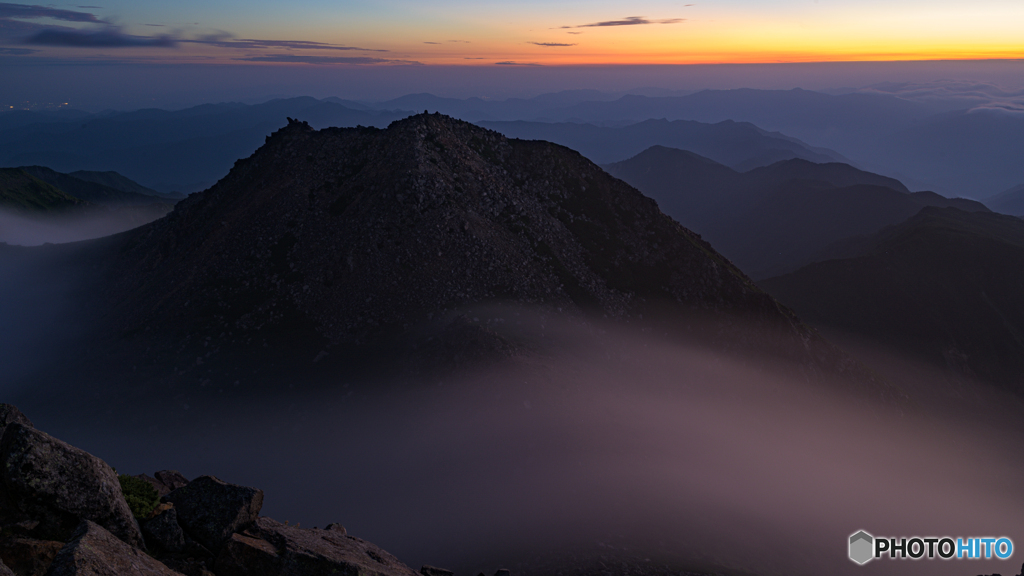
(211, 510)
(11, 415)
(206, 527)
(274, 549)
(59, 485)
(93, 551)
(164, 481)
(343, 238)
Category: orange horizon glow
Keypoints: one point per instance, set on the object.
(661, 32)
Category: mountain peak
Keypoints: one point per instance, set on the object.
(353, 236)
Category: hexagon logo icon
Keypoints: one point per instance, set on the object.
(861, 544)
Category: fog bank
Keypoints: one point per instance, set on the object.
(24, 230)
(676, 453)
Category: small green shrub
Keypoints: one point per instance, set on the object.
(142, 498)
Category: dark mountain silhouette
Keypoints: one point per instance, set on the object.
(39, 205)
(91, 191)
(18, 118)
(966, 153)
(351, 239)
(180, 151)
(934, 145)
(740, 145)
(477, 109)
(956, 152)
(777, 218)
(1009, 202)
(23, 193)
(945, 285)
(116, 181)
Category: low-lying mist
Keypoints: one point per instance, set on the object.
(58, 229)
(609, 440)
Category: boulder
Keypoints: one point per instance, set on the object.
(435, 571)
(172, 479)
(10, 415)
(164, 481)
(5, 571)
(211, 510)
(244, 555)
(28, 556)
(302, 551)
(93, 551)
(163, 533)
(60, 485)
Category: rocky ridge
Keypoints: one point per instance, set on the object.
(359, 237)
(205, 527)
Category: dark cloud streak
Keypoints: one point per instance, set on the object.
(31, 11)
(107, 38)
(225, 40)
(309, 59)
(550, 44)
(628, 21)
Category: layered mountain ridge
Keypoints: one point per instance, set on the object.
(944, 285)
(350, 237)
(776, 218)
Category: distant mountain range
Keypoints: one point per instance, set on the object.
(1009, 202)
(116, 181)
(776, 218)
(39, 205)
(929, 144)
(180, 151)
(23, 193)
(945, 285)
(92, 190)
(739, 145)
(423, 241)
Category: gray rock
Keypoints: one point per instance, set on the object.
(59, 485)
(172, 479)
(9, 414)
(93, 551)
(211, 510)
(165, 481)
(503, 572)
(244, 555)
(4, 570)
(163, 533)
(435, 571)
(303, 551)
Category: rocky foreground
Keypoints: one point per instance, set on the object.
(63, 512)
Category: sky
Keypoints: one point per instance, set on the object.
(271, 36)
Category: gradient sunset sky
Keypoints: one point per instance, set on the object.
(131, 53)
(546, 32)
